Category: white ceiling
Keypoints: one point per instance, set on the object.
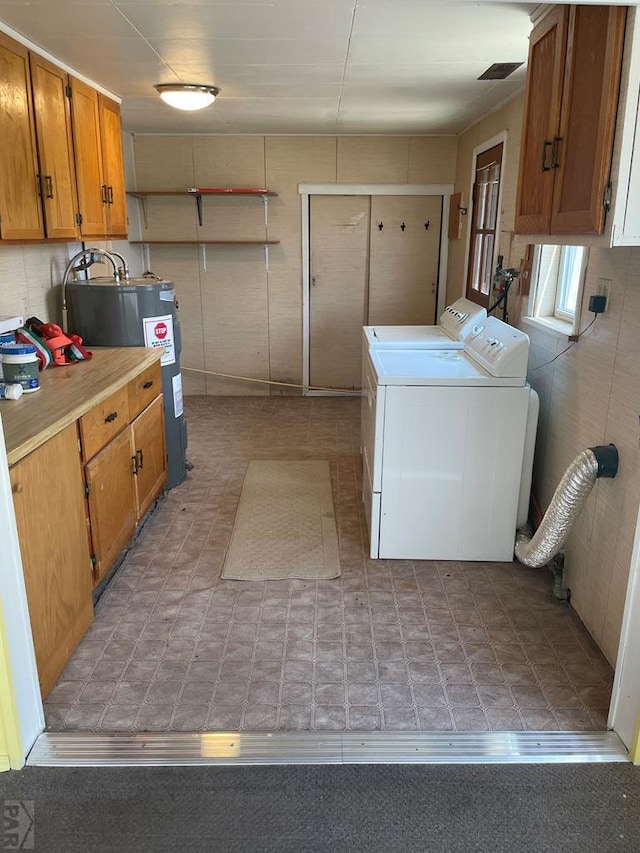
(289, 66)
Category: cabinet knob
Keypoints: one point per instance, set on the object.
(17, 488)
(110, 418)
(148, 384)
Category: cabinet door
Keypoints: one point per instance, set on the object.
(547, 48)
(585, 140)
(112, 510)
(48, 496)
(55, 148)
(20, 207)
(92, 190)
(113, 163)
(149, 449)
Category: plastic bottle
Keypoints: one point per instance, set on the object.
(10, 391)
(20, 364)
(6, 338)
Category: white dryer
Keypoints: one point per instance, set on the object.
(443, 436)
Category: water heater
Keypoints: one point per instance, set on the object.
(138, 312)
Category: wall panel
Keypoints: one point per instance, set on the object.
(163, 162)
(373, 160)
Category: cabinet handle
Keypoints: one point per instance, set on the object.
(104, 194)
(111, 417)
(545, 145)
(148, 384)
(140, 456)
(49, 182)
(554, 152)
(110, 195)
(134, 464)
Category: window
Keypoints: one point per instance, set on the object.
(484, 224)
(568, 284)
(556, 286)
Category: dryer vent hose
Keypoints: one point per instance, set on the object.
(565, 506)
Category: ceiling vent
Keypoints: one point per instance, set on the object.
(500, 70)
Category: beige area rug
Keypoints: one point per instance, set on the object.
(285, 526)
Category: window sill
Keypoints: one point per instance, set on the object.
(556, 327)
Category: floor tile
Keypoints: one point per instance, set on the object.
(394, 644)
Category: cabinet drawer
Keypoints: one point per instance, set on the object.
(99, 425)
(144, 388)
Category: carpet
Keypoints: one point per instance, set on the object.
(553, 808)
(285, 526)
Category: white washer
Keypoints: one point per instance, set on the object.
(443, 445)
(456, 323)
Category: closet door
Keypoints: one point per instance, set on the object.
(403, 274)
(339, 260)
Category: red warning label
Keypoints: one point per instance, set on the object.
(158, 332)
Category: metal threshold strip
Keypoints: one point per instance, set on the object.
(241, 748)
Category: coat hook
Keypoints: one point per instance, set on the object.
(463, 210)
(402, 227)
(380, 226)
(427, 224)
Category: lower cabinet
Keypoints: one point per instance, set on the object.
(148, 442)
(111, 499)
(123, 474)
(77, 499)
(48, 498)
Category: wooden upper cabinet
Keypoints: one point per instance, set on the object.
(547, 49)
(587, 122)
(20, 206)
(55, 148)
(575, 60)
(99, 163)
(88, 155)
(113, 164)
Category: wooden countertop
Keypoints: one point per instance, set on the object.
(67, 393)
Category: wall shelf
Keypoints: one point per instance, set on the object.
(204, 242)
(198, 192)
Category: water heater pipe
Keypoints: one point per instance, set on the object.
(76, 263)
(566, 504)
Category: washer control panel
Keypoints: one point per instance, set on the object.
(500, 348)
(459, 318)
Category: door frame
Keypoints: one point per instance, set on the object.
(305, 192)
(485, 145)
(624, 710)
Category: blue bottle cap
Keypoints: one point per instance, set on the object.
(17, 349)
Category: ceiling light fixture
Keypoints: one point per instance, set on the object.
(187, 96)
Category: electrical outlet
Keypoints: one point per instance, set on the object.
(604, 285)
